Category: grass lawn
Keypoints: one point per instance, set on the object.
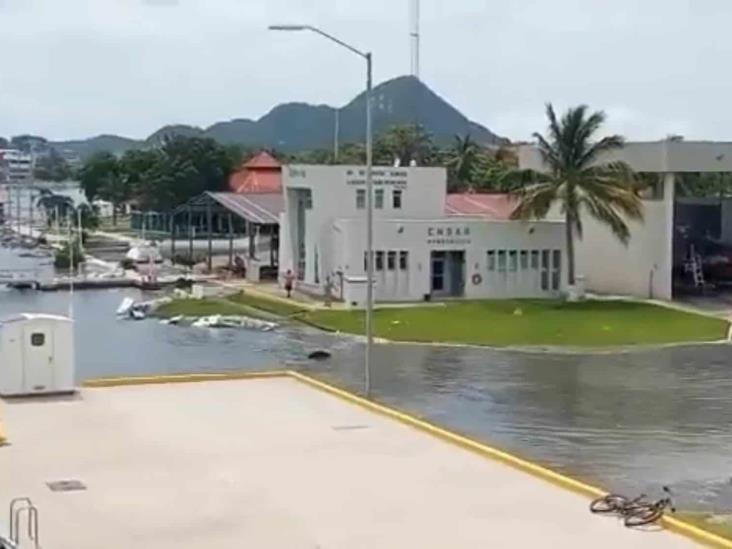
(531, 322)
(273, 306)
(201, 307)
(239, 304)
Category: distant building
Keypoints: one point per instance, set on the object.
(15, 166)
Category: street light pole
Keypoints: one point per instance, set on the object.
(369, 190)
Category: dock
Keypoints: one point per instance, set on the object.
(274, 463)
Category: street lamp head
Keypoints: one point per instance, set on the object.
(288, 27)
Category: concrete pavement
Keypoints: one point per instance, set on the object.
(273, 464)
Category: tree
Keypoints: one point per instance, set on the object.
(461, 161)
(406, 144)
(579, 180)
(52, 167)
(101, 177)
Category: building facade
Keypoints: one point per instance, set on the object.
(420, 251)
(645, 266)
(15, 166)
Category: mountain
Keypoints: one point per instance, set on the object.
(159, 137)
(84, 148)
(299, 126)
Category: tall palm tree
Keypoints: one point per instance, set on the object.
(580, 180)
(461, 160)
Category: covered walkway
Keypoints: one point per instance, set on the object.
(230, 215)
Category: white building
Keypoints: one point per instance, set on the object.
(423, 247)
(15, 166)
(646, 266)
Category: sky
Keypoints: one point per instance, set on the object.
(78, 68)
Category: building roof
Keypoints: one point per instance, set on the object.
(488, 205)
(261, 208)
(263, 161)
(262, 174)
(33, 316)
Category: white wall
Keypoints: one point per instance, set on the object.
(420, 238)
(334, 191)
(643, 268)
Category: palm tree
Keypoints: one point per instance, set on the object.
(579, 180)
(461, 160)
(406, 144)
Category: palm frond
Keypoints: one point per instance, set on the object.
(534, 201)
(605, 145)
(604, 212)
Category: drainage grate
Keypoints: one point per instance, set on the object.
(66, 486)
(349, 427)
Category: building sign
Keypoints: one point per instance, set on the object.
(448, 235)
(381, 176)
(296, 172)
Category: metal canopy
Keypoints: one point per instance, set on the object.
(260, 209)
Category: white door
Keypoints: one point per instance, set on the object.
(38, 358)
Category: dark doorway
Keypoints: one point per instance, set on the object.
(447, 273)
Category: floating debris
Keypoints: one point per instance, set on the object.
(320, 354)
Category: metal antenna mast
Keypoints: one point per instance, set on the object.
(414, 35)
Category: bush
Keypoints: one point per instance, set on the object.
(62, 258)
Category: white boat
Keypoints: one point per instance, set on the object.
(144, 254)
(125, 306)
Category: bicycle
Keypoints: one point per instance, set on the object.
(617, 504)
(649, 513)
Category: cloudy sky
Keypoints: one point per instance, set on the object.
(76, 68)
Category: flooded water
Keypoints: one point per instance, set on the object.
(629, 422)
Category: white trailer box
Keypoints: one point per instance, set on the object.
(36, 355)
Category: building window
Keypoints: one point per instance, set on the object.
(534, 260)
(545, 270)
(307, 199)
(379, 199)
(513, 261)
(391, 260)
(379, 261)
(524, 261)
(38, 340)
(491, 260)
(556, 269)
(403, 260)
(501, 261)
(365, 262)
(360, 199)
(396, 199)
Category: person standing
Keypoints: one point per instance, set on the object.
(289, 281)
(328, 291)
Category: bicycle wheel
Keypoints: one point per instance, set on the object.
(611, 503)
(643, 517)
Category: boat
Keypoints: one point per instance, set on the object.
(125, 307)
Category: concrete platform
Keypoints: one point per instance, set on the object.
(272, 463)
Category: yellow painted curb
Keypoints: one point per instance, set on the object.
(672, 524)
(179, 378)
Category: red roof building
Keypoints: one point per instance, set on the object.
(262, 174)
(489, 205)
